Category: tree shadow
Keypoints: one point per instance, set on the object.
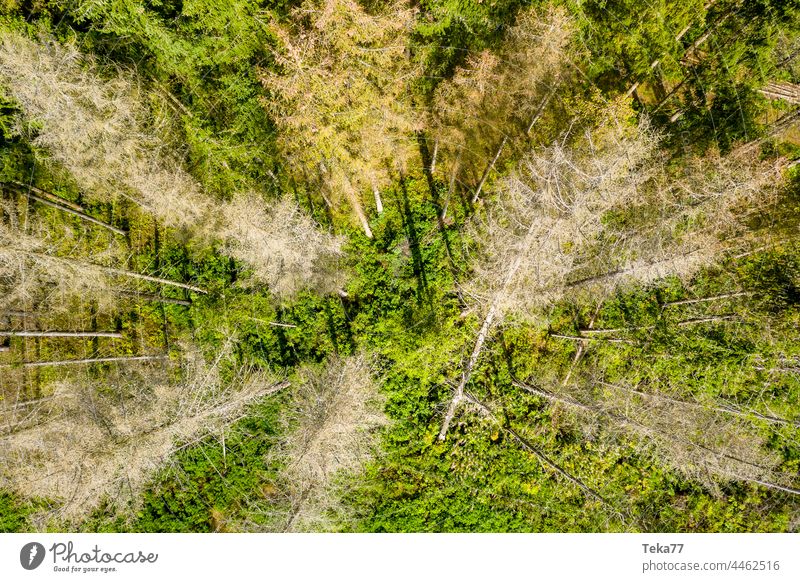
(417, 261)
(437, 204)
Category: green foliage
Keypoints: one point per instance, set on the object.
(13, 514)
(202, 59)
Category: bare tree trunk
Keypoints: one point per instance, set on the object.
(540, 110)
(581, 338)
(710, 298)
(15, 313)
(624, 421)
(272, 323)
(378, 201)
(467, 373)
(544, 459)
(24, 333)
(359, 210)
(696, 320)
(433, 155)
(781, 124)
(27, 188)
(656, 62)
(722, 409)
(788, 92)
(115, 271)
(151, 297)
(484, 330)
(488, 169)
(91, 361)
(582, 347)
(62, 205)
(451, 185)
(590, 331)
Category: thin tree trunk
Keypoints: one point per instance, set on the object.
(540, 110)
(710, 298)
(467, 373)
(581, 338)
(15, 313)
(91, 361)
(697, 320)
(24, 333)
(788, 92)
(27, 188)
(778, 126)
(451, 186)
(543, 458)
(60, 204)
(488, 169)
(582, 347)
(378, 201)
(656, 62)
(115, 271)
(625, 421)
(590, 331)
(433, 155)
(151, 297)
(546, 394)
(722, 409)
(359, 210)
(483, 332)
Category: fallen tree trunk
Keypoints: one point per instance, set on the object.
(91, 361)
(25, 333)
(58, 203)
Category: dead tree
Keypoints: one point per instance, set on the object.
(744, 469)
(546, 203)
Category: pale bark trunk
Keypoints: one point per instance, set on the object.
(705, 299)
(59, 203)
(93, 361)
(27, 188)
(24, 333)
(433, 155)
(580, 338)
(15, 313)
(467, 373)
(722, 409)
(115, 271)
(589, 331)
(581, 348)
(378, 201)
(359, 210)
(697, 320)
(488, 169)
(485, 328)
(540, 110)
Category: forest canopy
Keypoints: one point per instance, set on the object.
(450, 265)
